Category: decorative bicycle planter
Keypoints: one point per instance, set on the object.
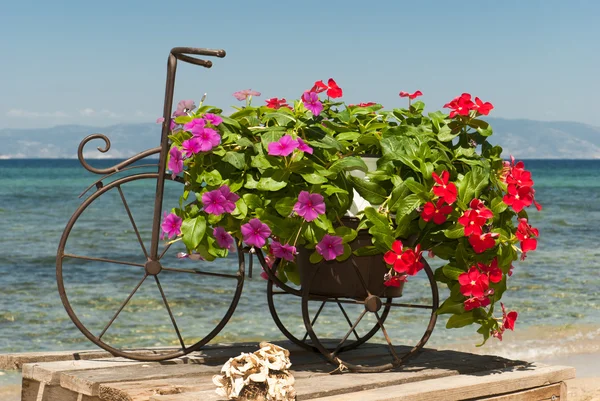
(352, 272)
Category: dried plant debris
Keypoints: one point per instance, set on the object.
(262, 375)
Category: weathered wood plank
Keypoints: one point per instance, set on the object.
(552, 392)
(142, 391)
(16, 361)
(478, 385)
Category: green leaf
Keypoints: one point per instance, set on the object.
(212, 178)
(376, 218)
(315, 257)
(314, 178)
(452, 272)
(347, 136)
(348, 164)
(414, 186)
(398, 194)
(241, 209)
(347, 234)
(455, 231)
(260, 162)
(252, 201)
(451, 306)
(291, 271)
(461, 320)
(371, 191)
(347, 253)
(237, 160)
(408, 204)
(270, 184)
(498, 206)
(285, 205)
(193, 231)
(446, 135)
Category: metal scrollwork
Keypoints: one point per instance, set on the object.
(106, 148)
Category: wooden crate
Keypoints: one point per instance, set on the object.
(433, 375)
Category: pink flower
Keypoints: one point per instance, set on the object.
(312, 103)
(284, 251)
(284, 147)
(411, 96)
(245, 94)
(255, 233)
(171, 225)
(161, 120)
(214, 202)
(190, 147)
(213, 119)
(309, 206)
(303, 147)
(230, 198)
(208, 138)
(196, 125)
(224, 239)
(183, 107)
(175, 161)
(330, 247)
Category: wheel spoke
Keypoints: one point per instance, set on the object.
(119, 262)
(362, 314)
(312, 323)
(196, 271)
(137, 233)
(162, 294)
(122, 306)
(360, 277)
(347, 318)
(165, 250)
(387, 338)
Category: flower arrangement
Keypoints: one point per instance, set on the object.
(282, 176)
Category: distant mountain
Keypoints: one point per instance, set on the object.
(525, 139)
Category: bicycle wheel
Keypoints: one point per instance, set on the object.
(285, 300)
(391, 351)
(123, 301)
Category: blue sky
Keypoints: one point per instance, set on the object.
(104, 62)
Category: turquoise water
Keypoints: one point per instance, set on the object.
(556, 290)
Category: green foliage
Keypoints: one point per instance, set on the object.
(409, 146)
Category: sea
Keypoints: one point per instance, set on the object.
(556, 290)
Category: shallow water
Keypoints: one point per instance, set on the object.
(556, 290)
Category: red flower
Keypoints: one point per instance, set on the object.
(461, 105)
(492, 270)
(395, 281)
(368, 104)
(519, 176)
(275, 103)
(445, 190)
(508, 319)
(518, 197)
(528, 236)
(474, 302)
(482, 108)
(333, 90)
(439, 213)
(318, 87)
(473, 283)
(411, 96)
(404, 260)
(483, 242)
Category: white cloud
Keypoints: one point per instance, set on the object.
(109, 113)
(36, 114)
(87, 112)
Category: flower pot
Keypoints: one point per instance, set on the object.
(340, 279)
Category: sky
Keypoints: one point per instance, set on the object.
(104, 62)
